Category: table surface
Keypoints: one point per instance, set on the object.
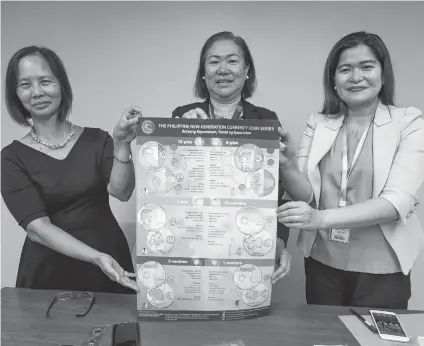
(24, 323)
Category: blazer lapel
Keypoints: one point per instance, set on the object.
(385, 136)
(324, 137)
(205, 106)
(250, 111)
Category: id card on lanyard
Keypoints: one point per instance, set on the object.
(342, 235)
(238, 113)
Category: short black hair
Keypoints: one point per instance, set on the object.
(14, 106)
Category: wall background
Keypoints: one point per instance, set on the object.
(146, 53)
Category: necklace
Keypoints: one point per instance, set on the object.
(53, 146)
(238, 113)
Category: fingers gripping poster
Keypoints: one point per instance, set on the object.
(206, 222)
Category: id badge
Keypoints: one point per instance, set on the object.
(340, 235)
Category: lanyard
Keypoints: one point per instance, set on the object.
(238, 113)
(346, 172)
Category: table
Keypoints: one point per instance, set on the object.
(24, 323)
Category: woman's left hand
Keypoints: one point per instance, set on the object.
(125, 129)
(114, 271)
(282, 262)
(300, 215)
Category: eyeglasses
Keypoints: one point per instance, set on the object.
(63, 296)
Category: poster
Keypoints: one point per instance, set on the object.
(206, 220)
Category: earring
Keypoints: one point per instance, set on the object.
(247, 77)
(335, 88)
(203, 77)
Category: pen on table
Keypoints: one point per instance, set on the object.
(363, 320)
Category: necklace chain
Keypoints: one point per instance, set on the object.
(50, 145)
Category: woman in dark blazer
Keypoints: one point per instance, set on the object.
(225, 79)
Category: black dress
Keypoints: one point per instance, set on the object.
(73, 193)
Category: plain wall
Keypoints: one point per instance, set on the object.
(146, 53)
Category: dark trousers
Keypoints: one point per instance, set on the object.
(329, 286)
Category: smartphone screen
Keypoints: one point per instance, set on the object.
(388, 324)
(126, 334)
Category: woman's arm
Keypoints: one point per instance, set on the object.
(295, 183)
(302, 216)
(294, 163)
(42, 231)
(122, 177)
(397, 199)
(368, 213)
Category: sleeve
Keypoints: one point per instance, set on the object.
(304, 150)
(19, 192)
(406, 174)
(306, 144)
(283, 232)
(176, 112)
(106, 158)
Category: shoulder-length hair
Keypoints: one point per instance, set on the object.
(16, 110)
(333, 105)
(200, 89)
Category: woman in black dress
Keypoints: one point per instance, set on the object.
(56, 182)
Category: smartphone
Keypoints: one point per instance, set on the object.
(388, 326)
(126, 334)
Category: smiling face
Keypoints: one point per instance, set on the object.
(225, 71)
(358, 76)
(37, 88)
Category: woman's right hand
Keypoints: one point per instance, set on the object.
(125, 129)
(196, 113)
(287, 147)
(115, 272)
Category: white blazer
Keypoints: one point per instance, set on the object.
(398, 156)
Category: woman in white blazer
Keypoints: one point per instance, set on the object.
(354, 188)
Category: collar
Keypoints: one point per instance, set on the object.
(382, 117)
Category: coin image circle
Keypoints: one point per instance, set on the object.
(151, 274)
(261, 183)
(199, 141)
(161, 240)
(161, 297)
(247, 276)
(151, 217)
(216, 142)
(258, 244)
(255, 296)
(152, 154)
(249, 158)
(250, 220)
(160, 180)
